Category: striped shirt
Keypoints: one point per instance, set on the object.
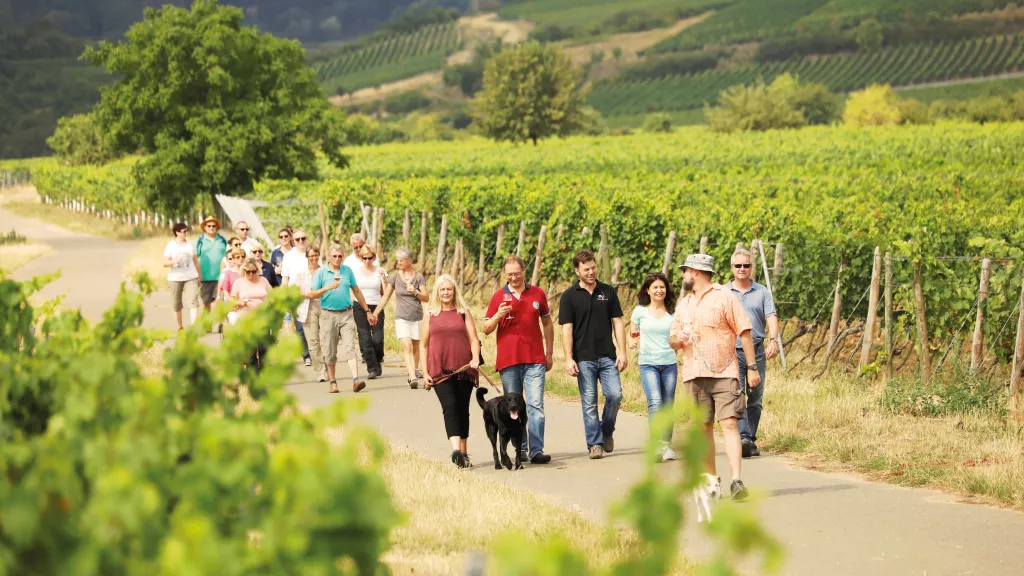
(717, 319)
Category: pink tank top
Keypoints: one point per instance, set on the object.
(449, 348)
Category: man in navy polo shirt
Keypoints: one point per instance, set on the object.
(590, 315)
(518, 311)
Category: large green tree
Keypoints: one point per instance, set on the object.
(529, 93)
(213, 105)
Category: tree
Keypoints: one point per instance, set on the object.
(785, 103)
(529, 93)
(869, 35)
(213, 104)
(78, 140)
(873, 106)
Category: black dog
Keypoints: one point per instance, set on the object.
(505, 420)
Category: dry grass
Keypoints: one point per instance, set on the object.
(15, 256)
(149, 257)
(81, 223)
(630, 42)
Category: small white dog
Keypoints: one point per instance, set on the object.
(706, 495)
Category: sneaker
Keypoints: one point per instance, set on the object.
(458, 458)
(755, 451)
(524, 456)
(667, 454)
(419, 375)
(413, 384)
(358, 385)
(373, 375)
(322, 377)
(596, 452)
(333, 388)
(609, 444)
(748, 447)
(469, 463)
(540, 458)
(307, 362)
(738, 491)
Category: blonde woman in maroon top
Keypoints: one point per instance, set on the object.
(449, 342)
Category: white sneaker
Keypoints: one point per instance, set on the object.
(666, 452)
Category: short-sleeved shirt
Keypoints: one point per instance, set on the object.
(370, 283)
(256, 292)
(591, 317)
(654, 333)
(249, 243)
(183, 268)
(210, 254)
(759, 304)
(339, 298)
(292, 264)
(717, 319)
(519, 337)
(228, 279)
(408, 306)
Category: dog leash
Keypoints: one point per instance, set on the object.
(463, 369)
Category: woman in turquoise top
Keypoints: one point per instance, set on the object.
(651, 323)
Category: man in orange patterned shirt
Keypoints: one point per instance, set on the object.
(706, 324)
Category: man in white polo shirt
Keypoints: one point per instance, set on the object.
(292, 266)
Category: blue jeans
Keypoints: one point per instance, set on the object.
(591, 371)
(659, 384)
(748, 425)
(530, 377)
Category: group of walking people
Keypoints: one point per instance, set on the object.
(716, 329)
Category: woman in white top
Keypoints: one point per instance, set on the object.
(371, 279)
(182, 270)
(307, 315)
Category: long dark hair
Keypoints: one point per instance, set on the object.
(670, 295)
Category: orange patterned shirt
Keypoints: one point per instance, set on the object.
(717, 318)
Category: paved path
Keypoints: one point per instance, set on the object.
(830, 524)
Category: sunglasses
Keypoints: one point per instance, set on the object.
(257, 251)
(238, 257)
(337, 256)
(300, 238)
(250, 271)
(369, 258)
(284, 236)
(743, 266)
(242, 229)
(213, 226)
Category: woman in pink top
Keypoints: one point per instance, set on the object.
(250, 290)
(235, 257)
(449, 341)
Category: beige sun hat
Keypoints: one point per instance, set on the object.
(702, 262)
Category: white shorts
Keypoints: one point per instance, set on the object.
(407, 329)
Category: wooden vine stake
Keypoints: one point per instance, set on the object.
(364, 228)
(771, 290)
(324, 241)
(602, 253)
(669, 249)
(888, 315)
(755, 246)
(378, 232)
(616, 271)
(703, 244)
(498, 246)
(925, 356)
(978, 341)
(535, 278)
(777, 268)
(837, 311)
(872, 318)
(522, 238)
(422, 261)
(439, 259)
(1018, 351)
(406, 229)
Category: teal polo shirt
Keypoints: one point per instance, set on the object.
(337, 299)
(210, 254)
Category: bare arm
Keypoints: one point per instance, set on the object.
(474, 340)
(772, 350)
(424, 343)
(491, 324)
(549, 340)
(619, 329)
(753, 376)
(570, 364)
(388, 291)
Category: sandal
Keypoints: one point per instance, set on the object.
(334, 387)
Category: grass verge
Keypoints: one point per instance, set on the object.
(15, 256)
(80, 222)
(149, 257)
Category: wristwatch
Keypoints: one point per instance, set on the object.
(749, 368)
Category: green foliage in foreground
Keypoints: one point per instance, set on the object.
(215, 105)
(110, 471)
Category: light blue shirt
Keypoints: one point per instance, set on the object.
(654, 348)
(339, 298)
(759, 304)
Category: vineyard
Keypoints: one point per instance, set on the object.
(904, 65)
(584, 13)
(389, 59)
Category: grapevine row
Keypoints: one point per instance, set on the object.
(428, 40)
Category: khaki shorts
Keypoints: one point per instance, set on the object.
(208, 291)
(178, 290)
(337, 328)
(718, 398)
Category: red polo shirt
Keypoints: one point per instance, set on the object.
(519, 337)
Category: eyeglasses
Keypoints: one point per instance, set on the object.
(239, 257)
(337, 256)
(300, 238)
(313, 256)
(284, 236)
(236, 244)
(257, 251)
(242, 229)
(743, 266)
(513, 274)
(214, 226)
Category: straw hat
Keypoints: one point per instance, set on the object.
(210, 219)
(699, 262)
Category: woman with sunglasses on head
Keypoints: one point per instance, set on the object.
(650, 324)
(250, 290)
(225, 263)
(449, 342)
(308, 313)
(228, 277)
(371, 279)
(182, 272)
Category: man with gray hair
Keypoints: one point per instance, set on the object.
(357, 241)
(760, 307)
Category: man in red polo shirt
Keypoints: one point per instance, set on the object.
(517, 312)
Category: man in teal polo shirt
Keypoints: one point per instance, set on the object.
(332, 284)
(210, 250)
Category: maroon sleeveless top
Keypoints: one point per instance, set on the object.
(449, 348)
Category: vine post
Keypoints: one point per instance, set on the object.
(422, 261)
(602, 253)
(324, 231)
(522, 238)
(669, 248)
(364, 227)
(498, 245)
(837, 310)
(439, 258)
(378, 231)
(406, 228)
(888, 315)
(535, 278)
(754, 245)
(978, 340)
(480, 265)
(616, 271)
(1018, 350)
(703, 244)
(925, 357)
(872, 317)
(768, 285)
(340, 229)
